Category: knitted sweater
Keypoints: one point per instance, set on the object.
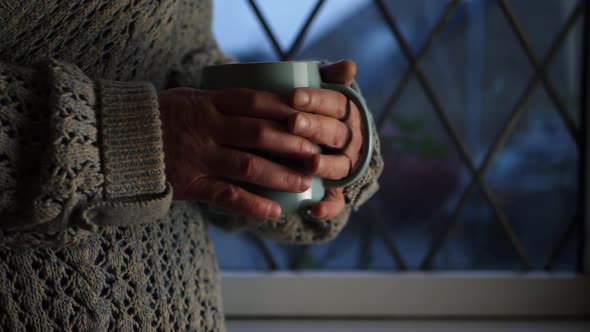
(89, 239)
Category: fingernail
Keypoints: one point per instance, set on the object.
(306, 183)
(302, 122)
(300, 98)
(321, 214)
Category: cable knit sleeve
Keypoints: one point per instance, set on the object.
(76, 154)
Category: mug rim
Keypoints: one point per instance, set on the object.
(315, 62)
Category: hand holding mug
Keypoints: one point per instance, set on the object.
(328, 118)
(229, 146)
(205, 136)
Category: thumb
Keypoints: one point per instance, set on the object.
(342, 72)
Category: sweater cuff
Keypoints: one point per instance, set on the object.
(131, 139)
(358, 193)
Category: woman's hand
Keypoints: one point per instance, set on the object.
(206, 135)
(329, 119)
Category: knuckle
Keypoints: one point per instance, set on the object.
(346, 163)
(341, 110)
(334, 172)
(261, 133)
(316, 129)
(343, 104)
(292, 181)
(317, 136)
(318, 165)
(356, 142)
(339, 139)
(355, 116)
(225, 194)
(317, 100)
(197, 99)
(201, 108)
(302, 144)
(253, 99)
(203, 168)
(247, 166)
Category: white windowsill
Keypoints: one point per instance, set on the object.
(406, 295)
(407, 326)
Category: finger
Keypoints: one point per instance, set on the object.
(332, 205)
(252, 103)
(331, 104)
(356, 141)
(342, 72)
(247, 167)
(334, 167)
(320, 129)
(264, 135)
(320, 101)
(233, 198)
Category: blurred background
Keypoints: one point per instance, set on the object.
(474, 105)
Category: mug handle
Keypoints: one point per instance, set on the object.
(367, 132)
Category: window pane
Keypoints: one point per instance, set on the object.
(477, 71)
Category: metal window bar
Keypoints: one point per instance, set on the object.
(414, 60)
(553, 48)
(269, 34)
(389, 243)
(407, 75)
(265, 251)
(514, 117)
(584, 157)
(461, 148)
(300, 35)
(529, 51)
(562, 242)
(576, 223)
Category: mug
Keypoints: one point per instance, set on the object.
(281, 78)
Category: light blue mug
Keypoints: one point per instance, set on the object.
(281, 78)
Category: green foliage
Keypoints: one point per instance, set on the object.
(414, 138)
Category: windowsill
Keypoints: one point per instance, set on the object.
(470, 295)
(405, 326)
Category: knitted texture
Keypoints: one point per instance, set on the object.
(131, 136)
(89, 240)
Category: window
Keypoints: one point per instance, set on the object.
(478, 107)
